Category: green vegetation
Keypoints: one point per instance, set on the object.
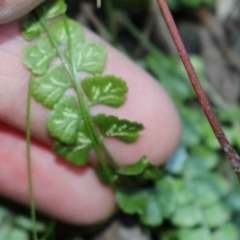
(203, 201)
(194, 196)
(175, 4)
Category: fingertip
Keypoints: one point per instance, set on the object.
(77, 196)
(69, 193)
(146, 103)
(12, 10)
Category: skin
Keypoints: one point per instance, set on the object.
(72, 194)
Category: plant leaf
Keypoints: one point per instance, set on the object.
(152, 204)
(229, 232)
(209, 159)
(49, 88)
(102, 176)
(63, 121)
(137, 174)
(89, 57)
(205, 192)
(108, 90)
(3, 213)
(10, 233)
(121, 129)
(31, 27)
(220, 183)
(217, 215)
(18, 234)
(5, 231)
(176, 162)
(185, 195)
(188, 216)
(135, 168)
(151, 172)
(167, 195)
(25, 223)
(193, 234)
(144, 203)
(38, 56)
(51, 8)
(58, 30)
(77, 153)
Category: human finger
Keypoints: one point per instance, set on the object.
(11, 10)
(146, 102)
(61, 190)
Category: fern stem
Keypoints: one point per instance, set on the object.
(29, 164)
(136, 33)
(108, 155)
(111, 21)
(49, 231)
(86, 116)
(59, 52)
(72, 72)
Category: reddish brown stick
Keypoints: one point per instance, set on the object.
(227, 148)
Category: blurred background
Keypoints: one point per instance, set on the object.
(197, 184)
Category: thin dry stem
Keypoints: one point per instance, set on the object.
(227, 148)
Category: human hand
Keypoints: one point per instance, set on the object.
(71, 193)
